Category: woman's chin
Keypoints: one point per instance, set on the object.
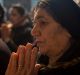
(42, 51)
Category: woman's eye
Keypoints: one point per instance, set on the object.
(40, 23)
(43, 22)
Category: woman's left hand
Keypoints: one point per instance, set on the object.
(23, 61)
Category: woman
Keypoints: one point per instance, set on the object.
(56, 30)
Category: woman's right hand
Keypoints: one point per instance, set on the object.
(23, 61)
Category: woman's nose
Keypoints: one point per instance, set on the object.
(35, 31)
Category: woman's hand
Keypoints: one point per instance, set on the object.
(23, 61)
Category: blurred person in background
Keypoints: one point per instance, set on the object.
(4, 57)
(19, 33)
(1, 15)
(4, 50)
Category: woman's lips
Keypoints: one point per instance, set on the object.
(34, 44)
(38, 43)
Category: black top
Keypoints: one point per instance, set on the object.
(20, 36)
(68, 64)
(71, 70)
(4, 57)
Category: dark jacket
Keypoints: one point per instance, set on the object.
(20, 36)
(4, 57)
(68, 64)
(73, 70)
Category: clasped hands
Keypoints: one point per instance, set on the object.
(23, 61)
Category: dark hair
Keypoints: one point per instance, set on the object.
(67, 13)
(20, 9)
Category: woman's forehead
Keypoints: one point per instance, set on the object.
(41, 13)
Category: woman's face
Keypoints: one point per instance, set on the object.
(50, 36)
(14, 16)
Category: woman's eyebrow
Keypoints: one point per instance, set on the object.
(41, 18)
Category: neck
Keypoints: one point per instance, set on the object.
(53, 59)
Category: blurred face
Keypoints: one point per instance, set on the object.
(14, 16)
(50, 36)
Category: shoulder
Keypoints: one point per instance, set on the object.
(60, 70)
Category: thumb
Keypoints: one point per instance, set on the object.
(37, 68)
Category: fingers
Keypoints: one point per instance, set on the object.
(33, 56)
(33, 60)
(21, 56)
(28, 55)
(22, 62)
(14, 61)
(36, 69)
(30, 58)
(12, 64)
